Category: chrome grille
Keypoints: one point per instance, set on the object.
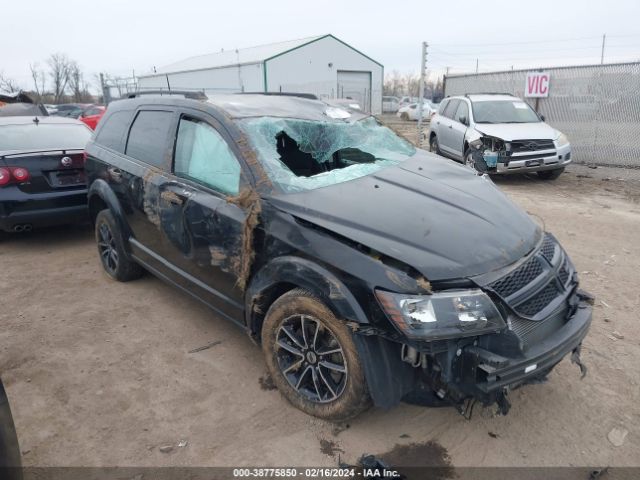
(532, 145)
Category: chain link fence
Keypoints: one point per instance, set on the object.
(596, 106)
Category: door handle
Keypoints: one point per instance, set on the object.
(451, 126)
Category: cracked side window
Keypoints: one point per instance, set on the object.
(204, 156)
(303, 155)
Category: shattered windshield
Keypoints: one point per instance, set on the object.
(303, 155)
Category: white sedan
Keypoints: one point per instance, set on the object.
(410, 112)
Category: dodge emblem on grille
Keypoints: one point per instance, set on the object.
(66, 161)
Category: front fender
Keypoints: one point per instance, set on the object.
(304, 274)
(101, 189)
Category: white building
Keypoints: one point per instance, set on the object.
(324, 66)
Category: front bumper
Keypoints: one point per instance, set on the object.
(532, 163)
(485, 375)
(41, 209)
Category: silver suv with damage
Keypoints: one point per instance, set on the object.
(513, 137)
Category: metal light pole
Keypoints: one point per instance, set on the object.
(423, 77)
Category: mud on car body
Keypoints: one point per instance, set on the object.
(369, 271)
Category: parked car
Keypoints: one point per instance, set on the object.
(72, 110)
(42, 180)
(51, 109)
(404, 101)
(516, 139)
(330, 240)
(92, 115)
(390, 104)
(410, 112)
(22, 109)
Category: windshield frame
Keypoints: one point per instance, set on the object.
(515, 100)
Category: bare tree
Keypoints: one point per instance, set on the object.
(59, 70)
(8, 84)
(39, 80)
(75, 80)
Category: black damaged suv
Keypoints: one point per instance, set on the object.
(369, 270)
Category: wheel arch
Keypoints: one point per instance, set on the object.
(289, 272)
(101, 196)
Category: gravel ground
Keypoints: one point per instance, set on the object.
(104, 373)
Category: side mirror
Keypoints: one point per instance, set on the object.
(542, 117)
(463, 120)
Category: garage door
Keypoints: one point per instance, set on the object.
(356, 86)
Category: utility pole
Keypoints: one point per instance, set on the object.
(604, 37)
(476, 65)
(423, 77)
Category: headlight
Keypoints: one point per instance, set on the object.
(562, 140)
(442, 315)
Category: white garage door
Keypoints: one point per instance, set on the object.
(356, 86)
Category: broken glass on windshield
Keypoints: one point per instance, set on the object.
(303, 155)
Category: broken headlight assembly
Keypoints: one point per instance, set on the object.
(442, 315)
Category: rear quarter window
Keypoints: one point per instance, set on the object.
(148, 137)
(113, 131)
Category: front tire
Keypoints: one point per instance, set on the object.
(312, 358)
(434, 147)
(404, 116)
(113, 255)
(550, 174)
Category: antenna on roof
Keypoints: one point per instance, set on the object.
(168, 84)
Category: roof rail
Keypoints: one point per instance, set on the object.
(309, 96)
(195, 95)
(489, 93)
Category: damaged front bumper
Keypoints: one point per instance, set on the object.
(457, 371)
(524, 163)
(487, 376)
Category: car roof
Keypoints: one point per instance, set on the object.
(250, 105)
(485, 97)
(29, 120)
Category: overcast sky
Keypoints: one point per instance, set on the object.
(117, 36)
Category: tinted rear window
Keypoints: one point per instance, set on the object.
(43, 137)
(113, 132)
(148, 137)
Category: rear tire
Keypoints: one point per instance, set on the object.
(550, 174)
(113, 255)
(312, 358)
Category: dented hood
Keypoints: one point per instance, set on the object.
(518, 131)
(428, 212)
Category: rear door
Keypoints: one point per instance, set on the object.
(445, 140)
(459, 128)
(136, 176)
(201, 226)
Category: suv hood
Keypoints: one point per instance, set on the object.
(430, 213)
(517, 131)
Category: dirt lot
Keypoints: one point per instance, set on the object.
(104, 373)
